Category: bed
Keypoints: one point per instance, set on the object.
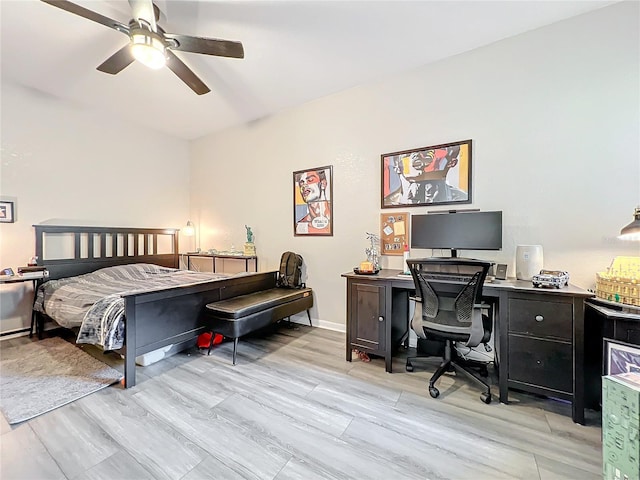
(153, 318)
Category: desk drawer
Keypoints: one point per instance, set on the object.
(627, 331)
(543, 363)
(541, 318)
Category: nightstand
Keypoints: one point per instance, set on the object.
(37, 278)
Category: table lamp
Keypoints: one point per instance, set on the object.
(190, 231)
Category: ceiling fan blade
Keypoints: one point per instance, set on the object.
(208, 46)
(89, 14)
(185, 74)
(118, 61)
(144, 10)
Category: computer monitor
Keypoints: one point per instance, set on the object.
(471, 230)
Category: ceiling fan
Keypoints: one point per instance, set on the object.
(151, 45)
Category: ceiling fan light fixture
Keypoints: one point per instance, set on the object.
(148, 49)
(151, 45)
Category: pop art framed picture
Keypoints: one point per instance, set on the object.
(435, 175)
(313, 202)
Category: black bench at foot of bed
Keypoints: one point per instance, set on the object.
(239, 316)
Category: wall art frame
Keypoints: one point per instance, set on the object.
(619, 357)
(7, 212)
(313, 202)
(427, 176)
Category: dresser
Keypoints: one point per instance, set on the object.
(615, 321)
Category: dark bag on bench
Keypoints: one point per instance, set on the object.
(290, 275)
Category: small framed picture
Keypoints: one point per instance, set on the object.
(620, 357)
(6, 212)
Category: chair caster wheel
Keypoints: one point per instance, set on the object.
(485, 397)
(409, 367)
(434, 392)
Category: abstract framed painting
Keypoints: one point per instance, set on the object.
(435, 175)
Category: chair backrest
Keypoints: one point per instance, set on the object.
(450, 293)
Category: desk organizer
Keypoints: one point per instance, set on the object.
(621, 282)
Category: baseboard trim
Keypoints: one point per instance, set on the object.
(21, 332)
(302, 319)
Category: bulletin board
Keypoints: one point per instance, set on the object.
(394, 232)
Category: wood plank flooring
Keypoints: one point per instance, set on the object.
(293, 408)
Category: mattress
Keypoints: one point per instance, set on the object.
(94, 302)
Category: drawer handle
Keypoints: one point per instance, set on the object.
(539, 318)
(381, 319)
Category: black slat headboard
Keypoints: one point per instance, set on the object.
(82, 250)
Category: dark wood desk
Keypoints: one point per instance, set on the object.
(540, 332)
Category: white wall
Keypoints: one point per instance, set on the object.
(64, 163)
(554, 117)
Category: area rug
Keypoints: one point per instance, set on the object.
(38, 377)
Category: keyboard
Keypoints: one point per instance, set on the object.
(448, 277)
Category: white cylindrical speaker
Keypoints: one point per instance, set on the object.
(529, 261)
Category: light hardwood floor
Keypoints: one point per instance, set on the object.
(293, 408)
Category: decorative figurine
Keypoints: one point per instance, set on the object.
(249, 246)
(373, 253)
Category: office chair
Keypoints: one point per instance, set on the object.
(449, 310)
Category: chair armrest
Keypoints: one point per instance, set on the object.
(416, 321)
(477, 327)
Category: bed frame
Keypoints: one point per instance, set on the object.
(156, 318)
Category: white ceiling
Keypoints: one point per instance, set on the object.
(295, 51)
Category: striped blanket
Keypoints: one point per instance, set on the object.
(94, 301)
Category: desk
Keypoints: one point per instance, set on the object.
(539, 332)
(214, 256)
